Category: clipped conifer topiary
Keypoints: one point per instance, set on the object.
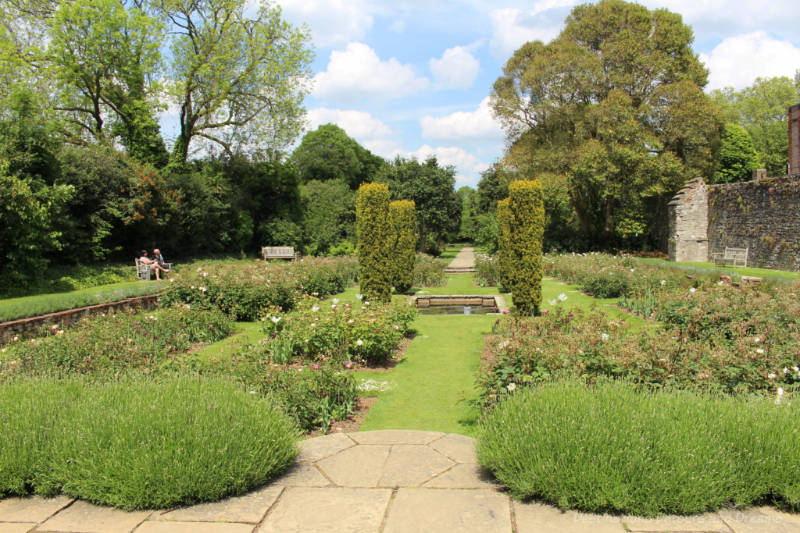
(504, 244)
(374, 241)
(404, 240)
(526, 203)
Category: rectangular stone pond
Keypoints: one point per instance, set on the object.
(459, 304)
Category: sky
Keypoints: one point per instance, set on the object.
(412, 78)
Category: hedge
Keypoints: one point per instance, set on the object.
(374, 245)
(526, 203)
(504, 244)
(404, 239)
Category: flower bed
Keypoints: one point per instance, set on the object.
(244, 291)
(115, 343)
(429, 271)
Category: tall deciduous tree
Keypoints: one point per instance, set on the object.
(238, 81)
(737, 156)
(761, 109)
(328, 153)
(615, 104)
(432, 189)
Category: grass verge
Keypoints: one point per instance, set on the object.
(612, 448)
(139, 443)
(28, 306)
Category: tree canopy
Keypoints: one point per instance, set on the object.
(614, 106)
(737, 155)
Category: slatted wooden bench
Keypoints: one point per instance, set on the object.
(731, 257)
(278, 252)
(144, 272)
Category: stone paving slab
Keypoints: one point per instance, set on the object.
(33, 509)
(327, 510)
(411, 465)
(193, 527)
(459, 448)
(538, 518)
(88, 518)
(448, 511)
(395, 436)
(16, 527)
(249, 508)
(701, 523)
(383, 482)
(320, 447)
(361, 466)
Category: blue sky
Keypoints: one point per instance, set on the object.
(412, 77)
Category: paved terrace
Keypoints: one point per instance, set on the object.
(377, 481)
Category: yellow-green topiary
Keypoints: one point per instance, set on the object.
(374, 241)
(526, 203)
(404, 240)
(504, 244)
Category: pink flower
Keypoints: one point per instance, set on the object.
(315, 366)
(348, 364)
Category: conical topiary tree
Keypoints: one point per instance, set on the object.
(504, 244)
(404, 243)
(374, 246)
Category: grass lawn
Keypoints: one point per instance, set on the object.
(450, 251)
(708, 266)
(244, 333)
(26, 306)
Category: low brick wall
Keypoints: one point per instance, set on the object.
(70, 316)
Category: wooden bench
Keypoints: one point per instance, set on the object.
(144, 272)
(731, 256)
(278, 252)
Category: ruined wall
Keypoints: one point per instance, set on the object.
(688, 223)
(762, 215)
(794, 139)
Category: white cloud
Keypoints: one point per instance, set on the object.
(357, 72)
(332, 22)
(467, 165)
(357, 124)
(513, 27)
(738, 61)
(472, 125)
(457, 69)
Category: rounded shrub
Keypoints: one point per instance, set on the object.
(374, 241)
(141, 443)
(404, 239)
(614, 448)
(526, 204)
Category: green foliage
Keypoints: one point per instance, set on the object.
(27, 212)
(429, 271)
(612, 448)
(374, 241)
(321, 331)
(486, 232)
(115, 344)
(487, 271)
(493, 187)
(737, 156)
(244, 291)
(469, 213)
(505, 255)
(139, 443)
(526, 228)
(404, 244)
(762, 109)
(432, 189)
(615, 108)
(328, 153)
(329, 215)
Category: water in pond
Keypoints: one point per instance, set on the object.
(456, 310)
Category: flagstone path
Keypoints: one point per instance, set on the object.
(463, 262)
(389, 481)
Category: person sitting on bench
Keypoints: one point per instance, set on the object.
(159, 259)
(152, 263)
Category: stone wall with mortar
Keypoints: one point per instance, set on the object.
(688, 223)
(762, 215)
